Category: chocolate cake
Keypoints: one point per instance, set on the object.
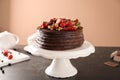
(60, 35)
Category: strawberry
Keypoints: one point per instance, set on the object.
(44, 25)
(59, 21)
(74, 28)
(62, 24)
(51, 20)
(54, 26)
(10, 56)
(69, 23)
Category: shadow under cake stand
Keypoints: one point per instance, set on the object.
(61, 66)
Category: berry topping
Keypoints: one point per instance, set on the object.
(44, 25)
(54, 26)
(69, 23)
(61, 24)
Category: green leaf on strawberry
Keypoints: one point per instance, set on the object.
(78, 24)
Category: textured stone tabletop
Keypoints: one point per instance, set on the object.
(89, 68)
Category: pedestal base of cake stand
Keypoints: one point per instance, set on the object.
(61, 66)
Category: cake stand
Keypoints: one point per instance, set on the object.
(61, 66)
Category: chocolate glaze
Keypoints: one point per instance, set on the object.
(59, 40)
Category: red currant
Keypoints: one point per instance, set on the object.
(10, 56)
(5, 52)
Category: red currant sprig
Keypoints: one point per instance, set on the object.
(8, 54)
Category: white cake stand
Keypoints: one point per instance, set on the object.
(61, 66)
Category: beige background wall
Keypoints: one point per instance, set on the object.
(4, 14)
(100, 18)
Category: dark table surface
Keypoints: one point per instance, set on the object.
(89, 68)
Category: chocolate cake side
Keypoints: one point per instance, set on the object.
(60, 40)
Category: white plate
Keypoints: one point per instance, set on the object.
(17, 57)
(86, 49)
